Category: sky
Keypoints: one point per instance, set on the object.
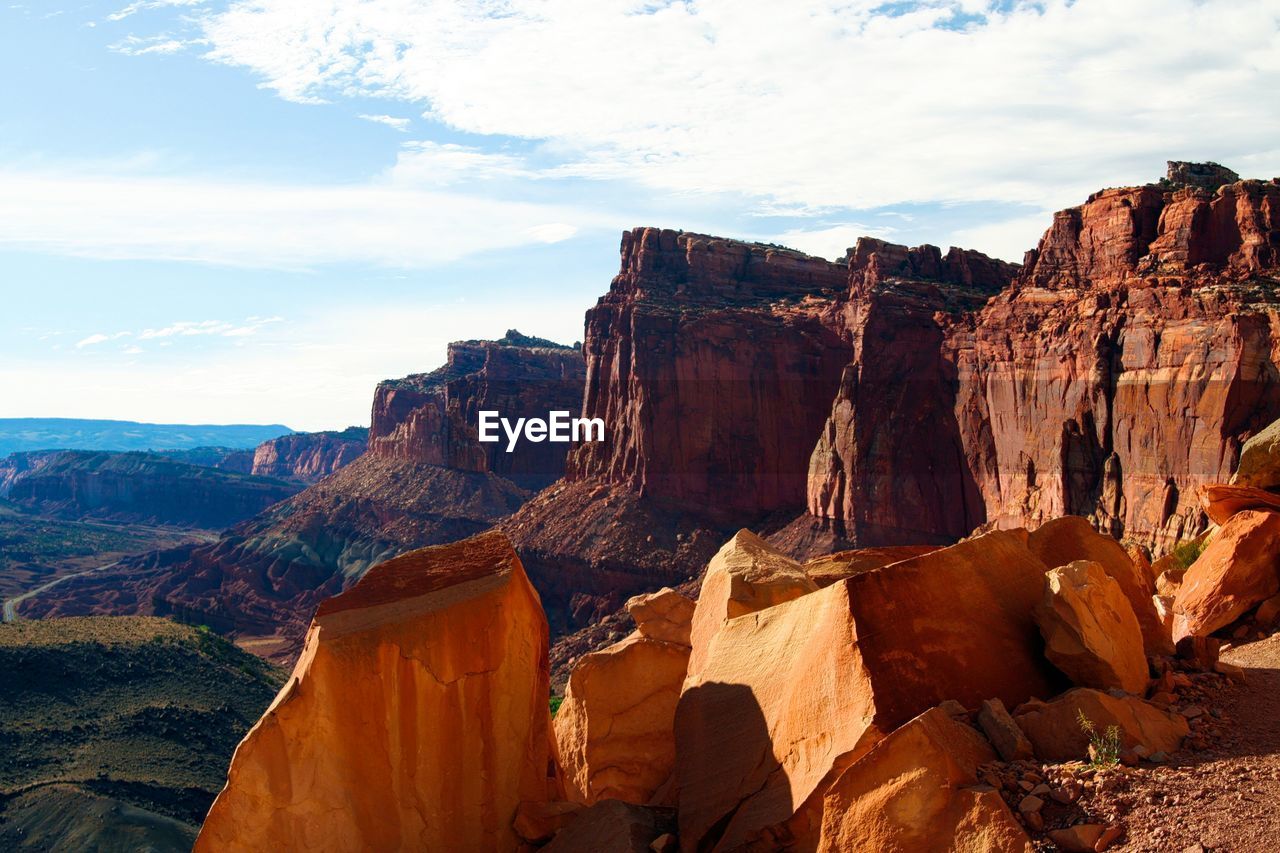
(251, 212)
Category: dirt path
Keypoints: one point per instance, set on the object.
(10, 612)
(1226, 798)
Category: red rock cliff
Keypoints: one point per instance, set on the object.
(309, 456)
(432, 417)
(1122, 369)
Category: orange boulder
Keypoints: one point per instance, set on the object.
(1259, 464)
(1055, 731)
(416, 717)
(795, 692)
(1237, 570)
(1070, 538)
(1089, 629)
(746, 575)
(615, 727)
(828, 569)
(917, 790)
(1221, 502)
(663, 615)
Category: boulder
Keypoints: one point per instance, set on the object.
(917, 790)
(612, 826)
(663, 615)
(746, 575)
(538, 822)
(1259, 465)
(614, 729)
(1003, 732)
(415, 718)
(1070, 538)
(1237, 570)
(1221, 502)
(793, 693)
(828, 569)
(1056, 735)
(1089, 629)
(1268, 612)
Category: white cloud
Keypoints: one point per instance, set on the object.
(820, 103)
(1008, 239)
(91, 340)
(268, 225)
(442, 164)
(189, 328)
(315, 372)
(144, 5)
(141, 46)
(830, 242)
(400, 124)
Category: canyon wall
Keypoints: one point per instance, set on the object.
(1123, 367)
(309, 456)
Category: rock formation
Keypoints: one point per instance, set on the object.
(1055, 731)
(1068, 392)
(309, 456)
(615, 728)
(793, 692)
(140, 488)
(1238, 569)
(1090, 632)
(416, 716)
(927, 767)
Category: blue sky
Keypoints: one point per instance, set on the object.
(252, 211)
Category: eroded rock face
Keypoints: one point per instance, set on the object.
(1238, 569)
(309, 456)
(1056, 735)
(1221, 502)
(792, 692)
(614, 729)
(1068, 392)
(1090, 632)
(663, 615)
(830, 568)
(915, 790)
(416, 717)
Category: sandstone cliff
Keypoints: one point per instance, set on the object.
(309, 456)
(1123, 367)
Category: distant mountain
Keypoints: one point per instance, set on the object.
(18, 434)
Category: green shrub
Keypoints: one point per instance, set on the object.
(556, 702)
(1186, 553)
(1104, 748)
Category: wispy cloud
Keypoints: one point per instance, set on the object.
(385, 222)
(400, 124)
(94, 340)
(132, 45)
(187, 328)
(820, 103)
(144, 5)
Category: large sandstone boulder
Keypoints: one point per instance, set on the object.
(612, 826)
(792, 693)
(1056, 735)
(1090, 632)
(1221, 502)
(1259, 465)
(746, 575)
(1070, 538)
(917, 790)
(663, 615)
(615, 727)
(416, 717)
(828, 569)
(1237, 570)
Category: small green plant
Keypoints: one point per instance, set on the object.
(1104, 748)
(556, 702)
(1187, 553)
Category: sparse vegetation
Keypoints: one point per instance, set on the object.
(1186, 553)
(556, 702)
(1104, 747)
